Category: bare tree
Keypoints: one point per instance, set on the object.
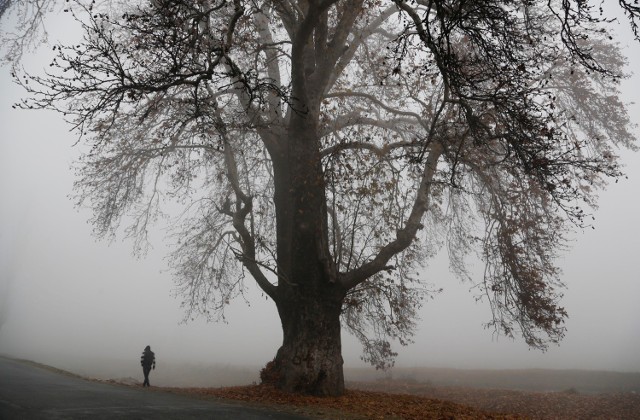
(26, 29)
(328, 148)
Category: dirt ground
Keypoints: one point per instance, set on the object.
(353, 405)
(393, 399)
(568, 404)
(428, 393)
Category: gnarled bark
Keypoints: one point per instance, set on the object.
(310, 358)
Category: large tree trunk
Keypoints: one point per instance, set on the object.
(310, 358)
(309, 300)
(308, 297)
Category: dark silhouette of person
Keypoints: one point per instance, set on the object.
(148, 362)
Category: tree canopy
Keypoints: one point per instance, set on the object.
(329, 148)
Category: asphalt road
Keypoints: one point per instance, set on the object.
(31, 392)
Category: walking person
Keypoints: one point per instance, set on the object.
(148, 362)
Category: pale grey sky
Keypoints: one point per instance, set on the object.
(72, 296)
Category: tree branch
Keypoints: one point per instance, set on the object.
(406, 234)
(244, 207)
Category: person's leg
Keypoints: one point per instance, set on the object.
(146, 371)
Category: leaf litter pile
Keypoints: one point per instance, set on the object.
(413, 401)
(354, 404)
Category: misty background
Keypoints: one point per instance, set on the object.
(89, 306)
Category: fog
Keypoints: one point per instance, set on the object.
(91, 307)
